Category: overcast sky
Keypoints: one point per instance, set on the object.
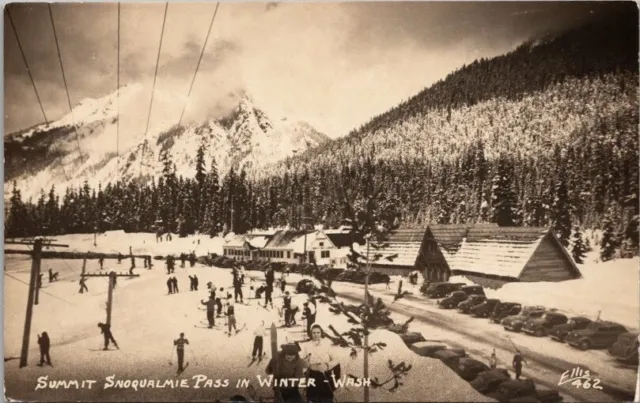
(334, 65)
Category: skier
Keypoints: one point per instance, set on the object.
(119, 257)
(309, 316)
(218, 305)
(191, 284)
(270, 277)
(517, 363)
(493, 360)
(290, 365)
(180, 342)
(108, 336)
(195, 282)
(52, 276)
(258, 341)
(183, 257)
(267, 296)
(192, 259)
(44, 343)
(237, 289)
(210, 304)
(231, 317)
(322, 364)
(175, 285)
(292, 314)
(170, 285)
(286, 306)
(388, 282)
(101, 261)
(260, 290)
(83, 286)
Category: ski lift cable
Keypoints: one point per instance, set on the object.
(42, 291)
(155, 76)
(64, 79)
(118, 102)
(204, 46)
(33, 83)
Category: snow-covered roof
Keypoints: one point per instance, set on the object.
(234, 241)
(504, 252)
(282, 239)
(298, 244)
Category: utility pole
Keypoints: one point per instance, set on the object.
(366, 330)
(38, 282)
(112, 280)
(305, 221)
(35, 265)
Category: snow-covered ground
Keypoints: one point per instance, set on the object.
(146, 320)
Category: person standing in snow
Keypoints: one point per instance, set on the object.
(283, 284)
(237, 289)
(83, 286)
(493, 360)
(218, 304)
(192, 259)
(53, 276)
(101, 261)
(290, 365)
(179, 343)
(319, 358)
(267, 296)
(286, 307)
(44, 343)
(518, 359)
(191, 287)
(170, 285)
(211, 305)
(231, 317)
(105, 329)
(183, 257)
(175, 284)
(40, 280)
(258, 341)
(195, 282)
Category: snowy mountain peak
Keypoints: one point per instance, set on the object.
(247, 137)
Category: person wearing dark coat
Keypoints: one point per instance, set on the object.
(267, 296)
(183, 257)
(44, 343)
(518, 359)
(175, 284)
(260, 290)
(286, 306)
(105, 329)
(192, 259)
(195, 282)
(211, 306)
(170, 285)
(83, 286)
(218, 305)
(237, 289)
(290, 365)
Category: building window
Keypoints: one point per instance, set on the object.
(321, 244)
(288, 255)
(324, 254)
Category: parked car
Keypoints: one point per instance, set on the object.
(331, 274)
(484, 309)
(448, 357)
(489, 381)
(473, 289)
(559, 332)
(598, 334)
(625, 349)
(513, 389)
(378, 278)
(305, 286)
(468, 368)
(452, 300)
(504, 309)
(515, 322)
(469, 303)
(540, 326)
(439, 290)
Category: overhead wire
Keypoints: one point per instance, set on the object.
(42, 291)
(64, 78)
(204, 46)
(33, 83)
(153, 87)
(118, 103)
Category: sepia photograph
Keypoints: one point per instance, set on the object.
(308, 202)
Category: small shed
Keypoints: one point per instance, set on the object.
(494, 256)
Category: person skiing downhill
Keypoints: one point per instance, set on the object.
(44, 343)
(179, 343)
(231, 317)
(105, 329)
(210, 304)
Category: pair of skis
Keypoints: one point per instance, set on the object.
(239, 330)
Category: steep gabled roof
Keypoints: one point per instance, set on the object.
(450, 236)
(343, 239)
(404, 247)
(283, 238)
(298, 243)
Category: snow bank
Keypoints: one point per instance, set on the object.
(610, 288)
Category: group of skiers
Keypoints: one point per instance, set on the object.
(184, 257)
(172, 285)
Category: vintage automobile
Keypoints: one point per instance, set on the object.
(515, 322)
(513, 389)
(378, 278)
(540, 326)
(488, 381)
(599, 334)
(473, 289)
(331, 273)
(468, 368)
(559, 332)
(452, 300)
(504, 309)
(484, 309)
(468, 304)
(625, 349)
(305, 286)
(440, 290)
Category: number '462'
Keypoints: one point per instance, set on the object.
(587, 384)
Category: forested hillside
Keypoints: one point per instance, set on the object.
(545, 135)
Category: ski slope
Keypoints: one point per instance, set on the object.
(146, 320)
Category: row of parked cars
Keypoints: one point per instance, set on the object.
(577, 331)
(495, 383)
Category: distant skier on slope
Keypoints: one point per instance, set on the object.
(183, 257)
(286, 306)
(231, 317)
(101, 261)
(170, 285)
(237, 289)
(83, 286)
(192, 259)
(179, 343)
(175, 284)
(44, 343)
(52, 276)
(267, 296)
(210, 304)
(518, 359)
(108, 336)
